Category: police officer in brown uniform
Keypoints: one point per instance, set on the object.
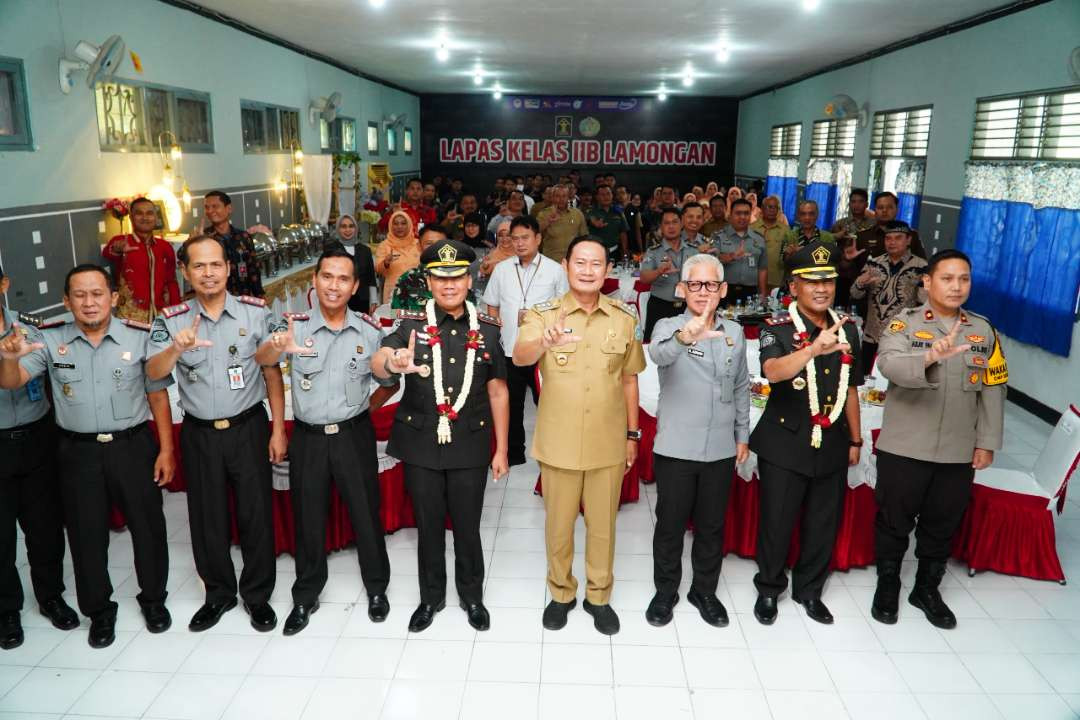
(808, 435)
(589, 350)
(944, 418)
(455, 394)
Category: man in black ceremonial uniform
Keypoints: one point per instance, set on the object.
(455, 394)
(808, 435)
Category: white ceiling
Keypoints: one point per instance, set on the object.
(615, 47)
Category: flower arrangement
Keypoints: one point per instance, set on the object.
(118, 207)
(369, 216)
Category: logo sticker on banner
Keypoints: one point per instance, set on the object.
(589, 127)
(564, 126)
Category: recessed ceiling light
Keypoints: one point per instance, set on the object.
(376, 3)
(498, 92)
(688, 75)
(662, 95)
(723, 52)
(478, 76)
(810, 5)
(443, 53)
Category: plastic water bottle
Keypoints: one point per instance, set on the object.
(738, 307)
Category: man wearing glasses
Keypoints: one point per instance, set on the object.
(703, 431)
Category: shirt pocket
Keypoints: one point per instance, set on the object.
(357, 381)
(563, 358)
(614, 350)
(129, 385)
(73, 388)
(974, 365)
(305, 368)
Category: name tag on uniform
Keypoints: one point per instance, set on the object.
(64, 366)
(751, 261)
(236, 377)
(695, 352)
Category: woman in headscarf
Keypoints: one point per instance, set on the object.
(755, 211)
(504, 249)
(710, 189)
(400, 251)
(366, 297)
(473, 234)
(733, 194)
(689, 199)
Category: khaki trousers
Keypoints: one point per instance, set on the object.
(565, 491)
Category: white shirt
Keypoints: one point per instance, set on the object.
(513, 287)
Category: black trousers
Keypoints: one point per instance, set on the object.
(655, 310)
(29, 496)
(93, 477)
(787, 497)
(738, 292)
(349, 460)
(866, 360)
(518, 380)
(685, 490)
(216, 461)
(925, 496)
(461, 493)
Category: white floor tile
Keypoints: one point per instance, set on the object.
(791, 670)
(48, 690)
(847, 633)
(579, 629)
(515, 592)
(352, 698)
(156, 653)
(39, 642)
(1061, 671)
(634, 629)
(742, 704)
(1007, 604)
(427, 699)
(271, 698)
(720, 668)
(497, 701)
(882, 706)
(364, 658)
(121, 693)
(225, 654)
(645, 665)
(1028, 707)
(195, 697)
(860, 672)
(296, 656)
(513, 625)
(649, 703)
(1039, 636)
(434, 660)
(787, 633)
(788, 705)
(958, 707)
(576, 664)
(694, 632)
(10, 676)
(74, 651)
(588, 701)
(910, 635)
(1005, 673)
(934, 673)
(505, 663)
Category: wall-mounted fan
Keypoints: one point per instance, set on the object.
(843, 107)
(100, 63)
(394, 120)
(325, 108)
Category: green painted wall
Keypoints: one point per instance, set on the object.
(177, 48)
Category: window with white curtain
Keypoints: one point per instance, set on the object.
(899, 139)
(1042, 125)
(832, 147)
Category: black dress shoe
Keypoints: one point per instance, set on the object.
(423, 616)
(555, 614)
(157, 617)
(11, 631)
(477, 614)
(886, 605)
(299, 617)
(102, 632)
(378, 607)
(659, 612)
(263, 617)
(59, 613)
(765, 610)
(816, 610)
(709, 606)
(208, 615)
(604, 618)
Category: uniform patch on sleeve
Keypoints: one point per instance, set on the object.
(897, 326)
(251, 300)
(159, 332)
(766, 339)
(997, 370)
(171, 312)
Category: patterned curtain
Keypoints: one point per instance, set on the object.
(1020, 224)
(909, 187)
(828, 182)
(783, 182)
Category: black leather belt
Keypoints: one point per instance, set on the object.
(226, 423)
(24, 432)
(332, 428)
(105, 437)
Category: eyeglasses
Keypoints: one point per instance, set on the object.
(697, 285)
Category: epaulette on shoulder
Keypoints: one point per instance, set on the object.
(295, 316)
(490, 320)
(171, 312)
(546, 305)
(53, 324)
(369, 320)
(411, 315)
(786, 320)
(251, 300)
(625, 308)
(33, 320)
(136, 324)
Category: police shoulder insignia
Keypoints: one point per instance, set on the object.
(369, 320)
(175, 310)
(997, 370)
(490, 320)
(411, 315)
(778, 321)
(251, 300)
(136, 324)
(34, 320)
(897, 326)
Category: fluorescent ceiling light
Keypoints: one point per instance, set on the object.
(723, 52)
(376, 3)
(810, 5)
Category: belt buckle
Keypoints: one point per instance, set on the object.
(222, 424)
(104, 437)
(331, 429)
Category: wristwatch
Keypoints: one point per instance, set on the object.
(856, 443)
(634, 435)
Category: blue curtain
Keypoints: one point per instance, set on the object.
(786, 188)
(1026, 270)
(908, 209)
(825, 196)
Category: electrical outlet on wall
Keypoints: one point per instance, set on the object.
(36, 237)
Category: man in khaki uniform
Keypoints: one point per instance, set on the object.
(560, 224)
(944, 418)
(589, 351)
(771, 227)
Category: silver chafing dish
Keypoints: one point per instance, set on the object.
(290, 245)
(266, 253)
(319, 235)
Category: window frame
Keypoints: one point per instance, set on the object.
(1019, 150)
(836, 131)
(172, 93)
(336, 140)
(23, 137)
(378, 140)
(407, 140)
(882, 153)
(790, 133)
(391, 134)
(283, 145)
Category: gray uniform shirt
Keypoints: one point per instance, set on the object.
(663, 287)
(704, 406)
(96, 390)
(202, 374)
(331, 382)
(27, 404)
(743, 271)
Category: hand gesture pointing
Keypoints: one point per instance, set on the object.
(15, 346)
(188, 338)
(285, 341)
(946, 347)
(557, 335)
(701, 327)
(401, 360)
(831, 340)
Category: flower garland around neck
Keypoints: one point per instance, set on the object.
(818, 419)
(449, 412)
